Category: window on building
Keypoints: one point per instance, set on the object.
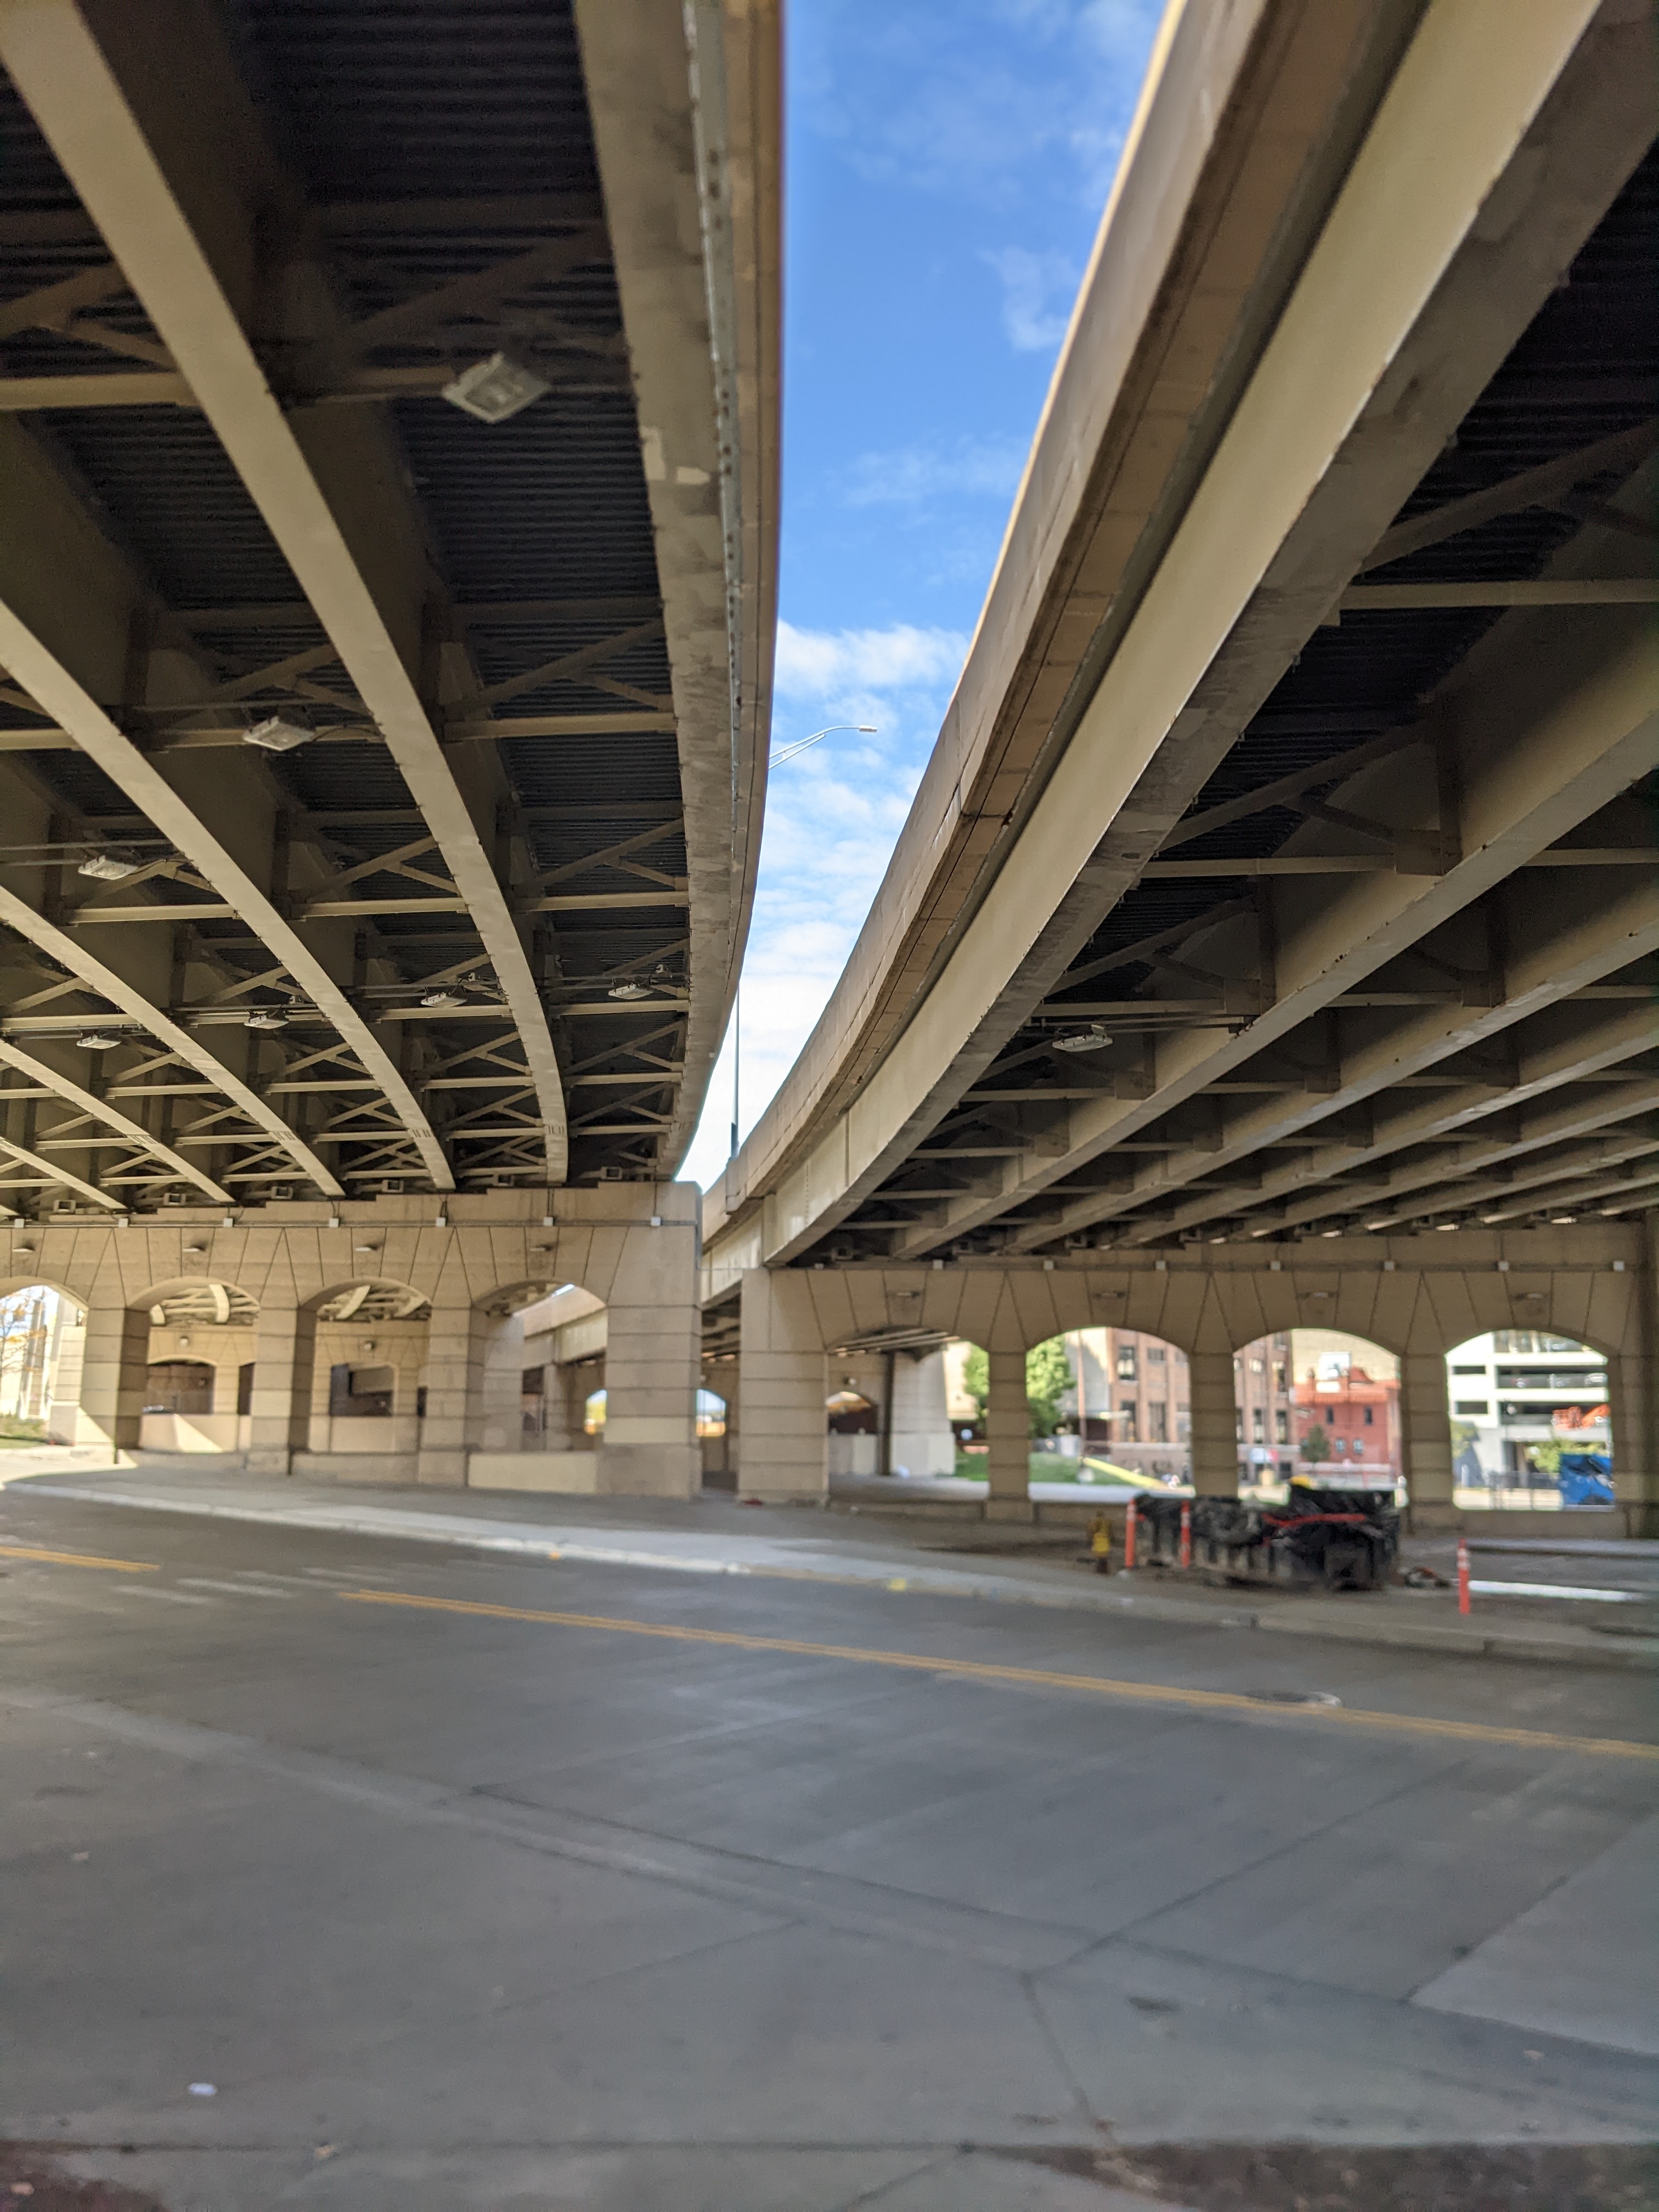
(1183, 1425)
(1126, 1363)
(1472, 1409)
(1239, 1424)
(178, 1386)
(360, 1392)
(1156, 1355)
(1281, 1377)
(1528, 1340)
(1369, 1416)
(1127, 1422)
(1258, 1367)
(1157, 1422)
(1469, 1370)
(1258, 1425)
(1282, 1426)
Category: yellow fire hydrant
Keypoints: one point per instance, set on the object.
(1100, 1543)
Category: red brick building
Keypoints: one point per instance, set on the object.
(1358, 1413)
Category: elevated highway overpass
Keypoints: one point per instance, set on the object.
(1273, 935)
(388, 512)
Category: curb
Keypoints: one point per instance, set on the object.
(1637, 1654)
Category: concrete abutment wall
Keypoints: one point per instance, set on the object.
(1418, 1297)
(473, 1262)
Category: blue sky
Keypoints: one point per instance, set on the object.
(947, 164)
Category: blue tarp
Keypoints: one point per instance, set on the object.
(1585, 1479)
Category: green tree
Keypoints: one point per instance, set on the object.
(1048, 1378)
(1316, 1446)
(976, 1379)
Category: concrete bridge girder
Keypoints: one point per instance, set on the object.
(60, 580)
(177, 210)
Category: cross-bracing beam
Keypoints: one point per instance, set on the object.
(167, 194)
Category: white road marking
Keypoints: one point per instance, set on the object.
(1557, 1590)
(235, 1589)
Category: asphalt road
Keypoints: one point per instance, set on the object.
(468, 1882)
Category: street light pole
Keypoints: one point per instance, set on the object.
(788, 753)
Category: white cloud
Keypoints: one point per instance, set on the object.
(989, 100)
(918, 476)
(1037, 291)
(833, 816)
(834, 666)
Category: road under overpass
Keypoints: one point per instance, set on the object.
(1273, 938)
(388, 510)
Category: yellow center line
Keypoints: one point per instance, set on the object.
(980, 1670)
(80, 1559)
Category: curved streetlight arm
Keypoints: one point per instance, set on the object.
(864, 729)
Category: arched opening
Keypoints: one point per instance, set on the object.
(886, 1412)
(966, 1398)
(366, 1380)
(41, 1335)
(198, 1366)
(854, 1425)
(1133, 1416)
(554, 1338)
(1531, 1423)
(1319, 1407)
(1104, 1407)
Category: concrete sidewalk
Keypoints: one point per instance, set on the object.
(712, 1535)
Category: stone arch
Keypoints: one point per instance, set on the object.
(359, 1376)
(1533, 1421)
(1134, 1403)
(176, 1326)
(11, 1284)
(40, 1336)
(542, 1359)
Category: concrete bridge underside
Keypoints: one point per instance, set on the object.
(1279, 905)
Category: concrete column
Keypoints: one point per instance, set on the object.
(1425, 1441)
(653, 1364)
(500, 1427)
(730, 1388)
(922, 1437)
(112, 1378)
(1008, 1435)
(69, 1355)
(1215, 1426)
(1633, 1401)
(453, 1379)
(785, 1434)
(567, 1391)
(284, 1371)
